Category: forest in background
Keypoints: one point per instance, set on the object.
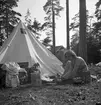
(86, 40)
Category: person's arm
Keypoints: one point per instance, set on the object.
(67, 68)
(67, 75)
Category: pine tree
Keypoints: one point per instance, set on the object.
(52, 9)
(82, 41)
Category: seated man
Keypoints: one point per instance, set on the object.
(75, 68)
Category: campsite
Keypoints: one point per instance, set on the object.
(50, 54)
(51, 95)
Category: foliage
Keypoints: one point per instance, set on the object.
(8, 17)
(75, 39)
(6, 8)
(97, 25)
(36, 25)
(48, 8)
(46, 41)
(98, 10)
(93, 48)
(28, 18)
(92, 34)
(75, 23)
(95, 36)
(74, 26)
(52, 8)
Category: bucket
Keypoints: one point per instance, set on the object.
(36, 79)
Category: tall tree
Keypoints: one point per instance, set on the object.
(93, 37)
(98, 10)
(97, 24)
(28, 18)
(36, 26)
(8, 17)
(67, 19)
(82, 41)
(74, 26)
(53, 27)
(52, 9)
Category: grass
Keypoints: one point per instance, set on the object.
(53, 94)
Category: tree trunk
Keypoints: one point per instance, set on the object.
(7, 21)
(67, 20)
(82, 42)
(53, 27)
(0, 34)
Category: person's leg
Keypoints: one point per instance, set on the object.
(84, 75)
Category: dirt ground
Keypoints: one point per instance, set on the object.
(53, 94)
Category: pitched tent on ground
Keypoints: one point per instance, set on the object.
(22, 46)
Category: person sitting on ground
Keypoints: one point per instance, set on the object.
(75, 68)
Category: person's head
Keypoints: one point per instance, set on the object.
(70, 54)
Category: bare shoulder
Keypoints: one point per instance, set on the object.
(80, 59)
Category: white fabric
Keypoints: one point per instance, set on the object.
(26, 48)
(12, 80)
(12, 69)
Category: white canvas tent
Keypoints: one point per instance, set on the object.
(22, 46)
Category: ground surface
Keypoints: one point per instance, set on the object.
(51, 95)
